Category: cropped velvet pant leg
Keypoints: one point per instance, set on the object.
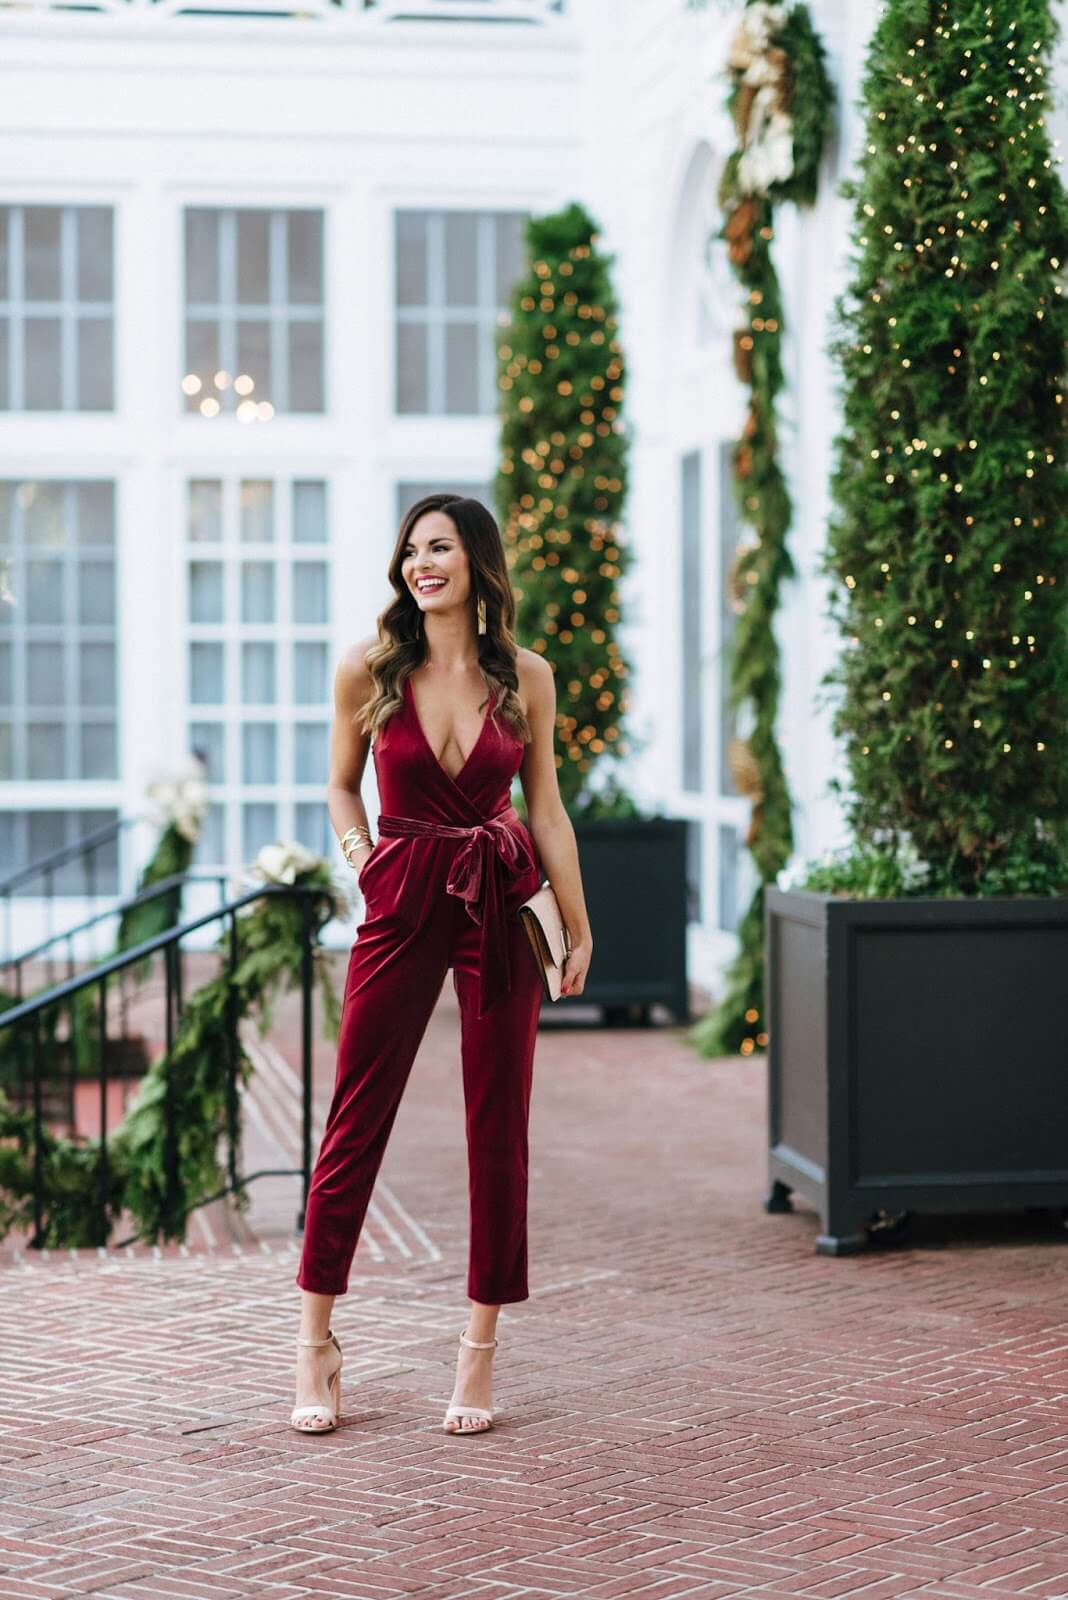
(387, 1005)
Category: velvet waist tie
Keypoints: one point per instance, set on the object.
(491, 849)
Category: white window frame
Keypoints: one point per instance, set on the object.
(709, 807)
(68, 308)
(436, 315)
(282, 712)
(22, 630)
(470, 485)
(227, 311)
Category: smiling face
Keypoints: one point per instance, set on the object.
(435, 565)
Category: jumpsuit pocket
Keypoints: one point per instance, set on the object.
(366, 878)
(361, 876)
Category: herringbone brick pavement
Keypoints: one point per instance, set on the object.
(691, 1403)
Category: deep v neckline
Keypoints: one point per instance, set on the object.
(452, 777)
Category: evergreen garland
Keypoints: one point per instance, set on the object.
(561, 485)
(949, 542)
(137, 923)
(170, 859)
(781, 101)
(188, 1086)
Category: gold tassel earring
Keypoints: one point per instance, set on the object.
(481, 608)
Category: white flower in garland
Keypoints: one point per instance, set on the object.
(767, 130)
(769, 158)
(753, 38)
(180, 802)
(284, 862)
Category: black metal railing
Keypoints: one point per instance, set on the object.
(26, 1021)
(87, 851)
(126, 1052)
(44, 951)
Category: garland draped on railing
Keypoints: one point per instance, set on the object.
(178, 807)
(187, 1087)
(781, 101)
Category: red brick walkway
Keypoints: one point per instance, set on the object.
(692, 1403)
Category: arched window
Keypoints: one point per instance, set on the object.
(707, 292)
(702, 314)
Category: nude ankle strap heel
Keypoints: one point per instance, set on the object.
(320, 1418)
(480, 1412)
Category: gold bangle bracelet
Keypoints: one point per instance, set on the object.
(357, 834)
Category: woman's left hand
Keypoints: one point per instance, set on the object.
(576, 967)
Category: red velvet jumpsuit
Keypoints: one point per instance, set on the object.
(441, 888)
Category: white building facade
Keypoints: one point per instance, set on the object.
(251, 266)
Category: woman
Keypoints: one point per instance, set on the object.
(456, 710)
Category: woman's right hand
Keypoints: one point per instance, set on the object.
(359, 857)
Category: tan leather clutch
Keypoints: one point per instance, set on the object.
(549, 939)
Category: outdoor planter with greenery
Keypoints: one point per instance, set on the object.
(560, 491)
(919, 1009)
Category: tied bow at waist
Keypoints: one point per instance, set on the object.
(490, 848)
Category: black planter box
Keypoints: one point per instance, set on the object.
(634, 881)
(918, 1058)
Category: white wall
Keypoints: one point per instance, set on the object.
(649, 163)
(150, 113)
(660, 73)
(621, 106)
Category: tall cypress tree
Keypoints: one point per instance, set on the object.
(949, 541)
(562, 480)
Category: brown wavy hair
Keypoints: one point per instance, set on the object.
(402, 642)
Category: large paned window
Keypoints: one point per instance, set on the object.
(691, 633)
(715, 287)
(57, 308)
(733, 870)
(695, 871)
(730, 876)
(729, 537)
(454, 272)
(709, 796)
(254, 312)
(58, 639)
(408, 493)
(30, 836)
(258, 671)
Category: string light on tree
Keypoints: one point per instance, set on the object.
(561, 484)
(977, 520)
